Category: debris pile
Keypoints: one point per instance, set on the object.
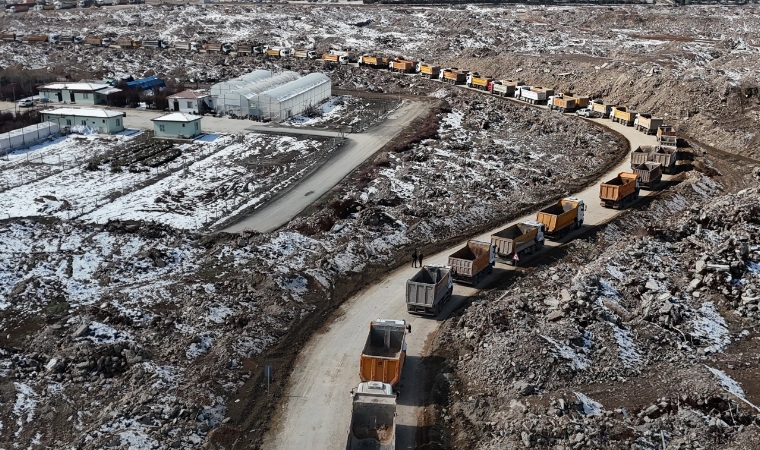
(644, 337)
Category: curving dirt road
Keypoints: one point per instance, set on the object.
(316, 409)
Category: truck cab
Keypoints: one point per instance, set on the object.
(226, 48)
(78, 39)
(286, 51)
(195, 46)
(106, 42)
(311, 54)
(581, 209)
(53, 38)
(541, 229)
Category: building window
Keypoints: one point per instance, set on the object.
(183, 125)
(68, 122)
(196, 125)
(84, 122)
(104, 120)
(161, 128)
(85, 96)
(189, 104)
(118, 122)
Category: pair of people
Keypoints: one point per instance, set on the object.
(416, 258)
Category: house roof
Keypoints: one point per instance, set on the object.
(84, 112)
(146, 83)
(74, 86)
(189, 94)
(109, 90)
(178, 117)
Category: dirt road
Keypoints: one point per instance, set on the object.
(355, 151)
(316, 408)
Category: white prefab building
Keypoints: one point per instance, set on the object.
(239, 96)
(294, 97)
(177, 125)
(27, 136)
(194, 102)
(103, 121)
(79, 93)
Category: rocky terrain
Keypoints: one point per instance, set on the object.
(642, 336)
(132, 333)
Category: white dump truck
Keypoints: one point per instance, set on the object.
(373, 417)
(429, 289)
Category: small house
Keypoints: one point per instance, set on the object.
(194, 102)
(177, 125)
(103, 121)
(79, 93)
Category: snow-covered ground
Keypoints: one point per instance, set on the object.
(209, 182)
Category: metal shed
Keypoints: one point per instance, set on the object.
(294, 97)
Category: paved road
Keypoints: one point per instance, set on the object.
(315, 411)
(357, 149)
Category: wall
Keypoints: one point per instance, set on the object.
(176, 129)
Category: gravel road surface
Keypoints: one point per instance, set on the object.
(316, 410)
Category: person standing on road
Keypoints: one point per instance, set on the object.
(419, 258)
(414, 258)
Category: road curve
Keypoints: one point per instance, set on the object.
(354, 152)
(316, 408)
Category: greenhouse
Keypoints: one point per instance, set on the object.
(294, 97)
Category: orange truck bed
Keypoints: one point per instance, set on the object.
(471, 262)
(384, 352)
(559, 218)
(616, 191)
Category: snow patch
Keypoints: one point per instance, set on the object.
(578, 361)
(590, 407)
(710, 327)
(627, 349)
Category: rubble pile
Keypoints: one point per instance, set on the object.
(644, 337)
(701, 76)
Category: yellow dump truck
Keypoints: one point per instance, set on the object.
(472, 262)
(428, 71)
(477, 81)
(374, 61)
(384, 351)
(666, 135)
(600, 108)
(562, 217)
(624, 116)
(563, 102)
(402, 65)
(648, 124)
(619, 190)
(453, 75)
(517, 240)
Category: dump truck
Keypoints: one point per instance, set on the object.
(472, 262)
(474, 80)
(45, 7)
(243, 49)
(428, 290)
(65, 4)
(666, 135)
(453, 76)
(185, 45)
(374, 61)
(35, 38)
(125, 43)
(513, 242)
(503, 90)
(581, 101)
(600, 108)
(8, 36)
(428, 71)
(650, 174)
(330, 58)
(373, 417)
(305, 54)
(157, 43)
(18, 9)
(402, 65)
(619, 190)
(642, 154)
(534, 95)
(563, 103)
(625, 117)
(384, 351)
(647, 124)
(94, 41)
(279, 51)
(216, 47)
(66, 39)
(666, 157)
(562, 217)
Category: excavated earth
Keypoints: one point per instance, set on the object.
(642, 335)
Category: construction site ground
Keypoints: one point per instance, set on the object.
(638, 331)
